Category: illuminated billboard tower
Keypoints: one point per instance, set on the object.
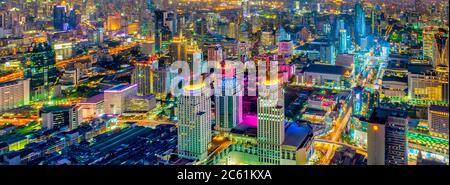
(270, 121)
(194, 122)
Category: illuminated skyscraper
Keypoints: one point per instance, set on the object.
(74, 19)
(40, 68)
(428, 42)
(194, 122)
(343, 41)
(376, 144)
(396, 152)
(59, 17)
(360, 23)
(14, 94)
(159, 24)
(114, 22)
(177, 48)
(271, 121)
(229, 100)
(438, 120)
(328, 53)
(143, 77)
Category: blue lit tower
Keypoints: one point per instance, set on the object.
(340, 24)
(74, 18)
(360, 23)
(59, 17)
(342, 41)
(358, 99)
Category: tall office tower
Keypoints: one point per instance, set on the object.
(396, 146)
(215, 53)
(161, 81)
(177, 48)
(340, 24)
(115, 98)
(438, 120)
(360, 23)
(170, 22)
(442, 68)
(343, 41)
(440, 49)
(229, 100)
(114, 22)
(74, 18)
(143, 77)
(194, 122)
(270, 121)
(428, 40)
(375, 144)
(159, 25)
(14, 94)
(40, 68)
(194, 58)
(372, 21)
(59, 16)
(328, 53)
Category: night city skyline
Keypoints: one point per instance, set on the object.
(224, 82)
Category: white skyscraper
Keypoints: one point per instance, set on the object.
(194, 122)
(270, 122)
(14, 94)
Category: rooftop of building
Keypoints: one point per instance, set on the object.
(297, 134)
(120, 88)
(146, 97)
(245, 129)
(327, 69)
(392, 78)
(316, 112)
(380, 115)
(12, 82)
(398, 64)
(94, 99)
(439, 108)
(15, 139)
(55, 108)
(419, 68)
